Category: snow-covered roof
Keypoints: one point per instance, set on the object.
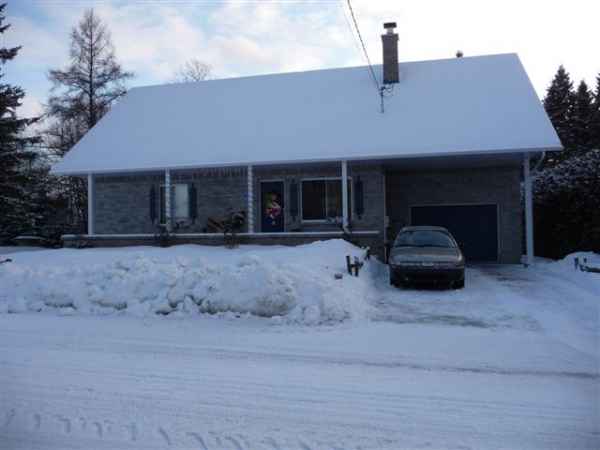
(452, 106)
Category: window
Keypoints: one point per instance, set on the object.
(180, 202)
(424, 238)
(322, 199)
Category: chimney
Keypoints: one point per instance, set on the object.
(390, 53)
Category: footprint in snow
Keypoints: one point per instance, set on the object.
(37, 421)
(133, 431)
(98, 427)
(9, 417)
(66, 423)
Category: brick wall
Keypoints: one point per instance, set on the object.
(371, 176)
(497, 185)
(122, 203)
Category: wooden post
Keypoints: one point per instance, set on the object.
(90, 204)
(345, 220)
(528, 211)
(167, 205)
(250, 214)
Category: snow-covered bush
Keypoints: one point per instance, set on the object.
(567, 206)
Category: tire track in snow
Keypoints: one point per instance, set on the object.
(272, 443)
(198, 439)
(235, 443)
(164, 435)
(303, 445)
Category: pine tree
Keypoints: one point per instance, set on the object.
(558, 104)
(15, 154)
(81, 94)
(595, 117)
(581, 119)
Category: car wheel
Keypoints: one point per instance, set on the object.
(459, 284)
(394, 281)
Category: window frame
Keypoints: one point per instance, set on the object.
(321, 221)
(162, 212)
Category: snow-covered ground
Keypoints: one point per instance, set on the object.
(512, 361)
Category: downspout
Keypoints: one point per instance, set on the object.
(539, 163)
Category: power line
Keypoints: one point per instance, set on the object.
(350, 27)
(363, 47)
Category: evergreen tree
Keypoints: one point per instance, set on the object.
(15, 154)
(581, 119)
(558, 104)
(595, 117)
(81, 94)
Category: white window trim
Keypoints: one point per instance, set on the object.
(160, 205)
(316, 221)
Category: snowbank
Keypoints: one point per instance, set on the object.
(291, 284)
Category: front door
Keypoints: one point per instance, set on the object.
(272, 208)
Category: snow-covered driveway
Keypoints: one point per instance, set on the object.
(510, 362)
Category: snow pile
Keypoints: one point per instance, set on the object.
(293, 284)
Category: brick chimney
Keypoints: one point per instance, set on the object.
(390, 53)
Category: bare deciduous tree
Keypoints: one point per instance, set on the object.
(93, 80)
(81, 94)
(193, 70)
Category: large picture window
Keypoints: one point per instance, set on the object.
(322, 199)
(180, 203)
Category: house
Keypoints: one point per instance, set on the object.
(320, 154)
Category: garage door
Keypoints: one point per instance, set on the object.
(475, 227)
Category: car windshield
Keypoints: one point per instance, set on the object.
(424, 238)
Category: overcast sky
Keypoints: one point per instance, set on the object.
(244, 37)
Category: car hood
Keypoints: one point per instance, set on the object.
(425, 254)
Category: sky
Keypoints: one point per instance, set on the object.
(153, 38)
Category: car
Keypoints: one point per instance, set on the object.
(426, 254)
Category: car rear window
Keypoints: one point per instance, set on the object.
(424, 238)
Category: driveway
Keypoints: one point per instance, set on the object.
(557, 302)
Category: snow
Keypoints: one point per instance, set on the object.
(290, 284)
(324, 115)
(511, 361)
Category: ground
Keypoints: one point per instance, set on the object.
(511, 361)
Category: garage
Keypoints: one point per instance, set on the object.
(475, 227)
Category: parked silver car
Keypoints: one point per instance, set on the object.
(426, 255)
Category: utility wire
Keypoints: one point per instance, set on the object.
(362, 43)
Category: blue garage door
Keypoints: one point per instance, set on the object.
(475, 227)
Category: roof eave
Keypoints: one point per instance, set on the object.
(107, 171)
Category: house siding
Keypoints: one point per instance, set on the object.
(496, 185)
